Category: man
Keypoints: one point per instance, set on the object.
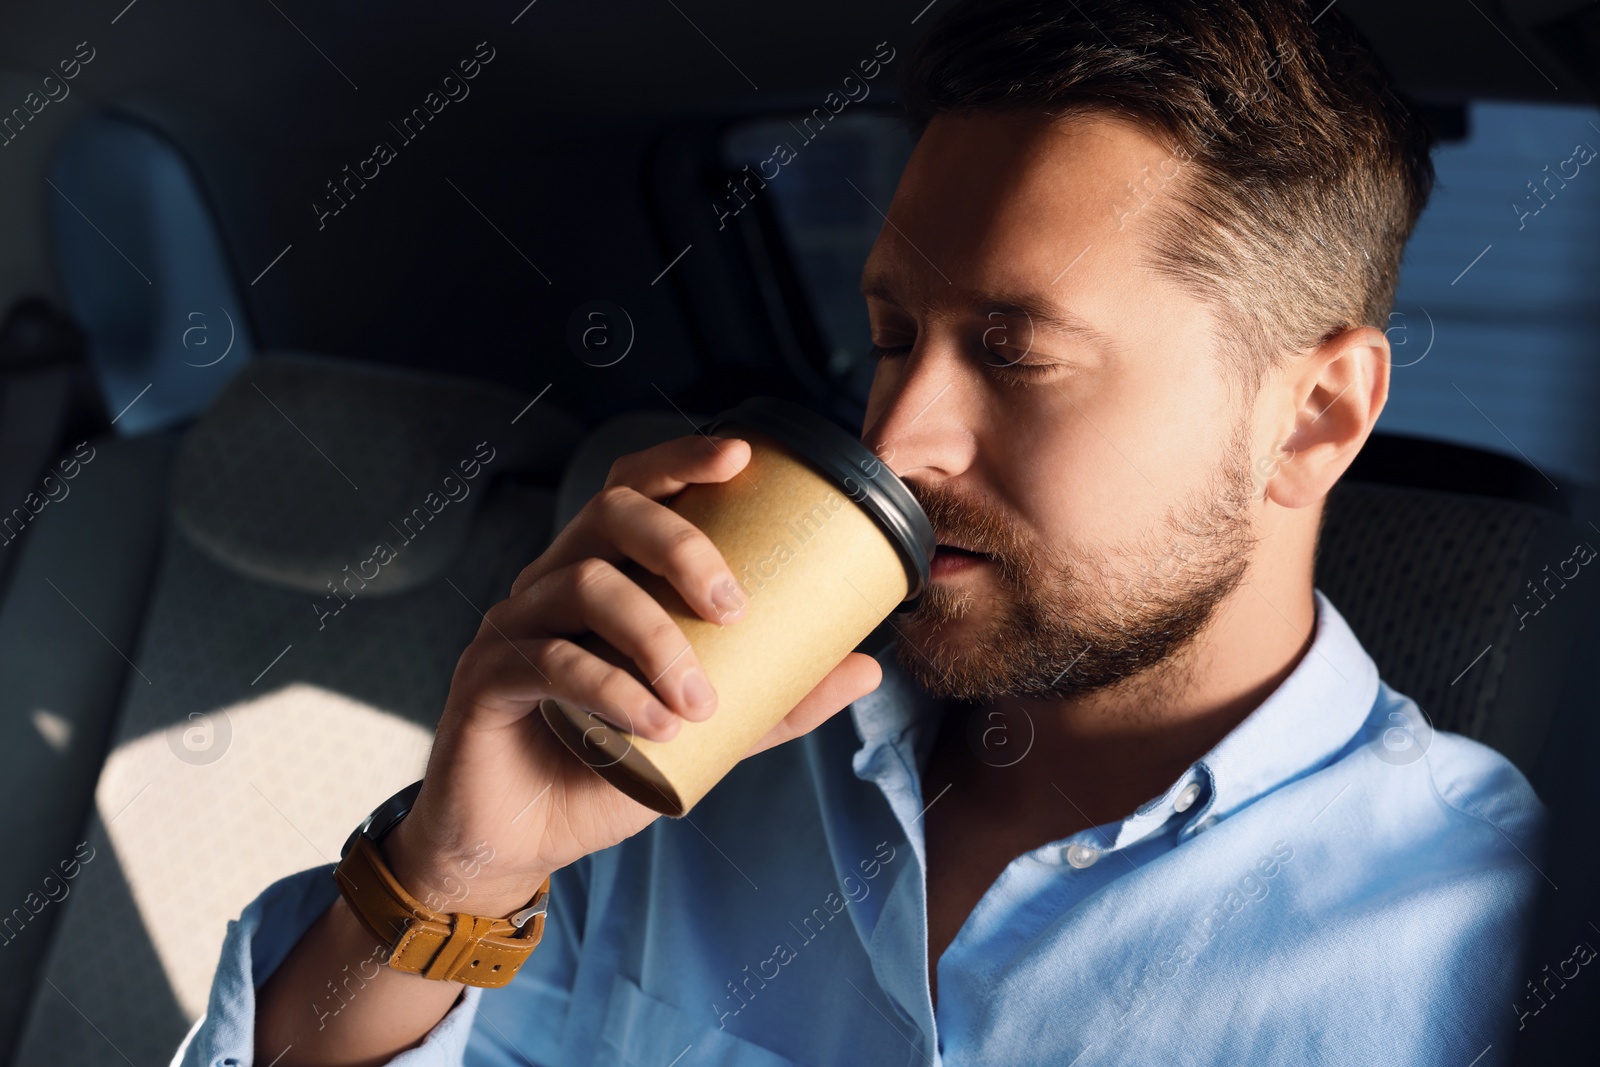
(1128, 790)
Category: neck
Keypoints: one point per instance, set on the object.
(1109, 751)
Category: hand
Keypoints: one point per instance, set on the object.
(504, 803)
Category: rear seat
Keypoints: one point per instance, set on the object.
(265, 712)
(75, 595)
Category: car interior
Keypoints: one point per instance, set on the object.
(277, 275)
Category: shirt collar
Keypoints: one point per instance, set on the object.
(1302, 724)
(1296, 729)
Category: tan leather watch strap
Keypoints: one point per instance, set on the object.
(455, 947)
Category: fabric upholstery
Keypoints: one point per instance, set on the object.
(296, 472)
(1428, 580)
(258, 732)
(74, 604)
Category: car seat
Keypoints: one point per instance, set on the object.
(282, 675)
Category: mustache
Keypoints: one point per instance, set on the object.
(975, 523)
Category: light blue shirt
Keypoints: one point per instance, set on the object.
(1331, 883)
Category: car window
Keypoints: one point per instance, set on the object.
(829, 200)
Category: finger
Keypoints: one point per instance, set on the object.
(662, 470)
(655, 473)
(855, 677)
(665, 543)
(593, 595)
(500, 680)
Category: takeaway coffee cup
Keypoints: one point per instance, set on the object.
(825, 541)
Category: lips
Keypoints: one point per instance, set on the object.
(950, 560)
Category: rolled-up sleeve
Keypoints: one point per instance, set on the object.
(256, 943)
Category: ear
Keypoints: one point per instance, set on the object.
(1338, 390)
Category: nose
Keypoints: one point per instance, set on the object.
(920, 419)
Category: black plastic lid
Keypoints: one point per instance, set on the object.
(863, 477)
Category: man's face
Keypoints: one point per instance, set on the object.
(1056, 405)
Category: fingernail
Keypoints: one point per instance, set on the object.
(697, 691)
(727, 599)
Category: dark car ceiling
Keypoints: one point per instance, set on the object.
(257, 60)
(269, 99)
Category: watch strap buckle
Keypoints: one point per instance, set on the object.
(472, 949)
(539, 906)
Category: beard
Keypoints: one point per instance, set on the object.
(1068, 621)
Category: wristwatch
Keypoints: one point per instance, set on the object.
(456, 947)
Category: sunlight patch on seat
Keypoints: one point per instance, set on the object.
(56, 730)
(206, 814)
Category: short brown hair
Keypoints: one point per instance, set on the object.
(1308, 168)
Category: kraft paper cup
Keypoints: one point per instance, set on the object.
(825, 541)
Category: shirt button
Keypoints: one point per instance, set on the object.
(1187, 797)
(1081, 856)
(1205, 824)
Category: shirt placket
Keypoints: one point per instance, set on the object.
(899, 945)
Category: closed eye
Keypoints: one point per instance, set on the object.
(1016, 373)
(1008, 358)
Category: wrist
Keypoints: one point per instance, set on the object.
(455, 881)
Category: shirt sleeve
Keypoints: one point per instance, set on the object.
(256, 943)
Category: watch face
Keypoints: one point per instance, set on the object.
(383, 818)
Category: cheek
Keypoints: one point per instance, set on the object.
(1103, 465)
(1053, 472)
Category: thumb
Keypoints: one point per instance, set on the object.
(856, 675)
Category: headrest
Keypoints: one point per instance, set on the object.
(307, 469)
(1443, 588)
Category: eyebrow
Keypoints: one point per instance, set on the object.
(1041, 313)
